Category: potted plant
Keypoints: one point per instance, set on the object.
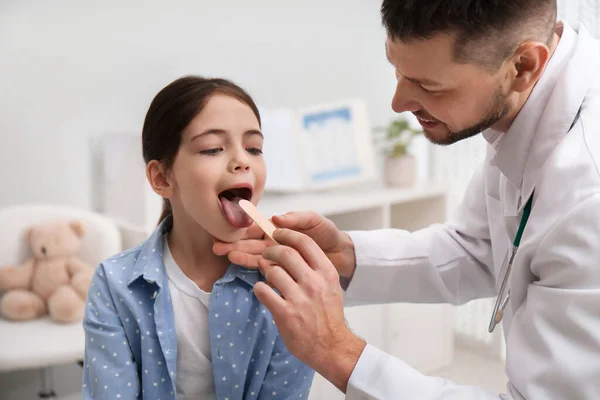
(400, 167)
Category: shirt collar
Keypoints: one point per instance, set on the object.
(513, 148)
(149, 263)
(579, 72)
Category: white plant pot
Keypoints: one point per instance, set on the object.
(400, 171)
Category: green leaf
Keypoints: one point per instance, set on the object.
(398, 136)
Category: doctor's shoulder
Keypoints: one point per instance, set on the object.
(570, 175)
(587, 126)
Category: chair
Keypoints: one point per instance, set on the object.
(42, 343)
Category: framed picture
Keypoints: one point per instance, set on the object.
(318, 147)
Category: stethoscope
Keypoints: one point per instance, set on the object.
(502, 299)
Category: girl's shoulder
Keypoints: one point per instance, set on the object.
(143, 260)
(125, 259)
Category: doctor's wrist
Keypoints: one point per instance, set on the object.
(338, 361)
(348, 259)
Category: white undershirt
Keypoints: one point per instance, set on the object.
(194, 379)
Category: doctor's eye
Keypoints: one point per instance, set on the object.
(254, 150)
(211, 152)
(427, 90)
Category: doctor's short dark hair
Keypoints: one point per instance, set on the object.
(487, 31)
(172, 110)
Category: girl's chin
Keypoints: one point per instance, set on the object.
(231, 237)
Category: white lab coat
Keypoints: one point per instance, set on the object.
(552, 322)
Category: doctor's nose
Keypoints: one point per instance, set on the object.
(402, 100)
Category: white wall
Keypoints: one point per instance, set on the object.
(71, 70)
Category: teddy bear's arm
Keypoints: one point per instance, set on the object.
(75, 265)
(16, 277)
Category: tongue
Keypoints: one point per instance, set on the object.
(234, 213)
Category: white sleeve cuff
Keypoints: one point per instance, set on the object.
(381, 376)
(378, 375)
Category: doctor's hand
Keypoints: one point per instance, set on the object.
(336, 245)
(310, 311)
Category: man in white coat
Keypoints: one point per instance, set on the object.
(531, 84)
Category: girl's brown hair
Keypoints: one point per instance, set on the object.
(171, 111)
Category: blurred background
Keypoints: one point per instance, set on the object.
(76, 78)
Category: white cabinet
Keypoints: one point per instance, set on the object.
(422, 335)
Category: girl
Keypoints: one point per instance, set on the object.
(170, 318)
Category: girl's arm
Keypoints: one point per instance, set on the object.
(286, 377)
(109, 370)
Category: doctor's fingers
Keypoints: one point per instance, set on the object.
(287, 259)
(244, 259)
(264, 265)
(307, 248)
(250, 246)
(279, 279)
(270, 299)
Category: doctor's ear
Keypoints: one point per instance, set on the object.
(158, 178)
(527, 65)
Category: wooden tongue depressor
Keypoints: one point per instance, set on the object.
(263, 223)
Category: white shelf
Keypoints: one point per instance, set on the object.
(340, 201)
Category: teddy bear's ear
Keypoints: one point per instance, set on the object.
(27, 234)
(77, 227)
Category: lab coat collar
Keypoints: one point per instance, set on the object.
(548, 113)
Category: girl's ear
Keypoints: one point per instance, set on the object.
(158, 179)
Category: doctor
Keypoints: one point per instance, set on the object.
(531, 85)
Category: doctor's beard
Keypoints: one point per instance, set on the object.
(499, 108)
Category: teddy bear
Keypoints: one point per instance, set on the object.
(53, 281)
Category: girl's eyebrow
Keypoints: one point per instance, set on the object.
(208, 132)
(222, 132)
(254, 132)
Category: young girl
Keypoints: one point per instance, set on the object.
(169, 318)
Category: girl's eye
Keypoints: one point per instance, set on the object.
(211, 152)
(254, 150)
